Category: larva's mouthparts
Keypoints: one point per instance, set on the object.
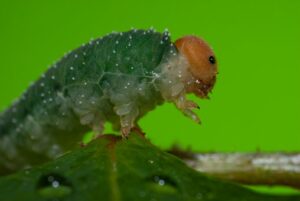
(202, 64)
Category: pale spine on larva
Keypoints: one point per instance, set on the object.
(117, 78)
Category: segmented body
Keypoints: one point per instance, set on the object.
(117, 78)
(107, 79)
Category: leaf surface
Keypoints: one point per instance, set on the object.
(112, 169)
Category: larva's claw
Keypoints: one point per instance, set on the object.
(189, 113)
(191, 105)
(128, 114)
(186, 107)
(183, 104)
(125, 132)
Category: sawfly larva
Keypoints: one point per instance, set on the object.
(117, 78)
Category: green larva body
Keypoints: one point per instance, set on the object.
(119, 75)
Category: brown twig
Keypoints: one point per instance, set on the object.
(247, 168)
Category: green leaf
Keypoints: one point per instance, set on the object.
(112, 169)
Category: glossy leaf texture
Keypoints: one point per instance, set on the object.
(113, 169)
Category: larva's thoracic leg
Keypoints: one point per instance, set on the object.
(186, 107)
(126, 125)
(182, 103)
(98, 128)
(189, 113)
(128, 114)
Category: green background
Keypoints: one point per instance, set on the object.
(256, 101)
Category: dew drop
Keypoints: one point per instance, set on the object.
(159, 180)
(163, 184)
(53, 186)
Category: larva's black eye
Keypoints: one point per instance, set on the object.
(212, 59)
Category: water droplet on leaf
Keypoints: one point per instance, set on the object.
(163, 184)
(151, 161)
(53, 186)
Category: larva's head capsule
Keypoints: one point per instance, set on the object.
(202, 64)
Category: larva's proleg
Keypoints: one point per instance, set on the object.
(117, 78)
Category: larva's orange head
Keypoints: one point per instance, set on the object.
(202, 64)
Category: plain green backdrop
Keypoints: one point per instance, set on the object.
(256, 101)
